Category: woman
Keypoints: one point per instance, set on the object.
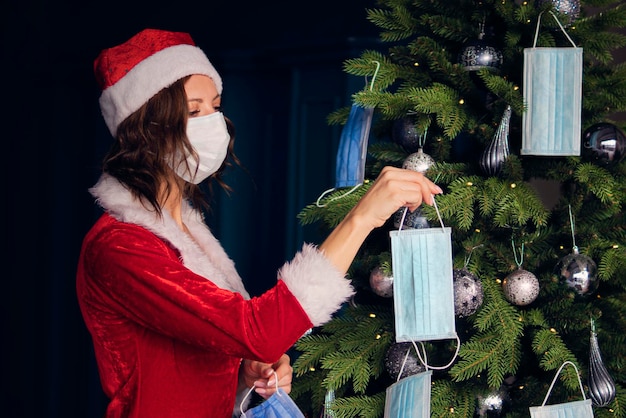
(175, 333)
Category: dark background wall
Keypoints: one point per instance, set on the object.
(282, 72)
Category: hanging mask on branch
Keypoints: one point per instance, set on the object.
(423, 289)
(409, 396)
(553, 95)
(352, 151)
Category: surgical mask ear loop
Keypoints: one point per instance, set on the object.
(406, 356)
(580, 383)
(243, 414)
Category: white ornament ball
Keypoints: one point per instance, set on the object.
(520, 287)
(381, 283)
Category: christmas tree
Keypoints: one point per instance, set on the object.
(538, 235)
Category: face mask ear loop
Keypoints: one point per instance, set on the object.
(408, 351)
(243, 414)
(438, 214)
(580, 383)
(403, 216)
(558, 23)
(424, 359)
(375, 74)
(319, 199)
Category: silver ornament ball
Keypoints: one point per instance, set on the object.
(395, 360)
(579, 272)
(493, 404)
(520, 287)
(468, 293)
(569, 10)
(381, 283)
(418, 161)
(479, 54)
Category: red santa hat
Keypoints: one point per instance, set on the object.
(131, 73)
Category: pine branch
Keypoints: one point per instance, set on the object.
(553, 353)
(359, 406)
(599, 181)
(450, 400)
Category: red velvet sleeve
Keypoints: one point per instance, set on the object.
(126, 270)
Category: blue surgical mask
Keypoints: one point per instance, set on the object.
(209, 136)
(553, 96)
(409, 397)
(279, 405)
(423, 290)
(575, 409)
(352, 152)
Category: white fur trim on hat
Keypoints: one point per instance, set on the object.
(150, 76)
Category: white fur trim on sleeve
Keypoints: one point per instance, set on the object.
(320, 288)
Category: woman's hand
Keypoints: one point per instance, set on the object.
(393, 189)
(262, 377)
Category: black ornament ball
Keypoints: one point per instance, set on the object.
(404, 133)
(604, 143)
(520, 287)
(381, 283)
(468, 292)
(395, 359)
(579, 272)
(479, 54)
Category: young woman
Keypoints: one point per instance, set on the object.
(175, 333)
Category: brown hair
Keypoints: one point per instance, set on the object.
(152, 134)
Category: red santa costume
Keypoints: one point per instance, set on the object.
(169, 316)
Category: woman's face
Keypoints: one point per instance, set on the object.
(202, 96)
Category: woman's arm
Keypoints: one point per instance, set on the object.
(393, 189)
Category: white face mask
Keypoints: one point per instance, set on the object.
(209, 136)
